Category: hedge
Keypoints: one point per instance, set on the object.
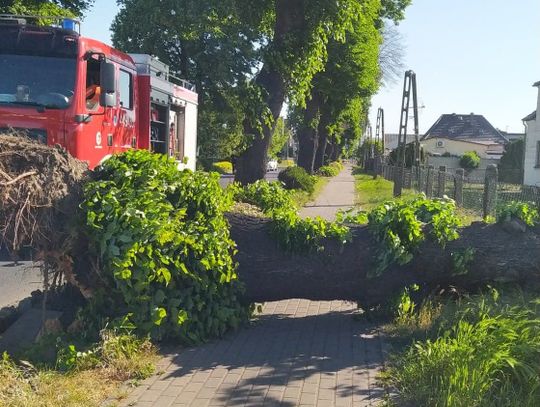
(297, 178)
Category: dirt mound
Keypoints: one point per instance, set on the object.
(40, 190)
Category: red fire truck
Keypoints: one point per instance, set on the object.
(61, 88)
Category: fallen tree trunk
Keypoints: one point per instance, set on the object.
(41, 188)
(341, 272)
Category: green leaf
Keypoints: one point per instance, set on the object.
(124, 274)
(158, 314)
(182, 317)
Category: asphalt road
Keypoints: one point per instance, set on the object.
(17, 281)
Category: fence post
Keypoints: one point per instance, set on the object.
(407, 178)
(429, 182)
(398, 180)
(377, 164)
(421, 184)
(490, 190)
(441, 181)
(459, 178)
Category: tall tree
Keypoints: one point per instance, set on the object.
(45, 7)
(246, 57)
(391, 54)
(341, 92)
(206, 42)
(511, 164)
(295, 50)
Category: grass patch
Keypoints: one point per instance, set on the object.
(301, 198)
(480, 350)
(286, 163)
(467, 216)
(77, 378)
(50, 388)
(372, 192)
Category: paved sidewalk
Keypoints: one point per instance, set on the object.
(338, 194)
(298, 353)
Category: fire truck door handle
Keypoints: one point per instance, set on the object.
(83, 118)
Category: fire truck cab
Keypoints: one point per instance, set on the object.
(95, 101)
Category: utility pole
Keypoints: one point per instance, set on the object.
(364, 144)
(409, 87)
(370, 145)
(379, 128)
(288, 140)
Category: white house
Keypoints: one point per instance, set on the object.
(532, 145)
(455, 134)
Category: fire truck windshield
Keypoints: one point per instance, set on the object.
(36, 80)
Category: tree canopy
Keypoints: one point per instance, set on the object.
(247, 58)
(511, 164)
(47, 8)
(343, 90)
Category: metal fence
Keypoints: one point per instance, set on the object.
(480, 195)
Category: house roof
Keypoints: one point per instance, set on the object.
(396, 135)
(465, 127)
(512, 136)
(530, 117)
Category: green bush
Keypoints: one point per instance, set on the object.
(409, 155)
(337, 164)
(470, 160)
(527, 212)
(297, 178)
(268, 196)
(222, 167)
(398, 227)
(329, 171)
(291, 231)
(162, 240)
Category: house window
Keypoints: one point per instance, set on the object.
(126, 90)
(538, 154)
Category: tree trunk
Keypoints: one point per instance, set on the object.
(322, 143)
(334, 152)
(252, 163)
(307, 135)
(340, 272)
(307, 145)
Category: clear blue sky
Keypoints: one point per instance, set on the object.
(478, 56)
(97, 22)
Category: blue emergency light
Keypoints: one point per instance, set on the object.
(69, 24)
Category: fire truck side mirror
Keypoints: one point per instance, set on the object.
(108, 84)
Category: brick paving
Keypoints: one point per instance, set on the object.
(297, 353)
